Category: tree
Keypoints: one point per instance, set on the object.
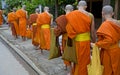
(60, 6)
(0, 5)
(56, 6)
(116, 11)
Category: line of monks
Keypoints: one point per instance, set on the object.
(77, 25)
(1, 18)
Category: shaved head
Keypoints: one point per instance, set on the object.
(69, 7)
(82, 3)
(107, 10)
(46, 8)
(14, 9)
(24, 7)
(37, 10)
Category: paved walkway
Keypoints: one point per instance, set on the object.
(50, 67)
(8, 63)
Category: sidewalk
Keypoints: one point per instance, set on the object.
(49, 67)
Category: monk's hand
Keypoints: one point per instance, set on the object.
(119, 43)
(57, 31)
(92, 44)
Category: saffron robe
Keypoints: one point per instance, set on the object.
(79, 23)
(43, 20)
(22, 15)
(61, 30)
(13, 21)
(61, 25)
(29, 33)
(1, 18)
(108, 40)
(35, 29)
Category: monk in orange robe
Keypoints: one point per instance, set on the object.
(35, 28)
(109, 42)
(61, 30)
(44, 21)
(22, 15)
(13, 21)
(1, 18)
(79, 28)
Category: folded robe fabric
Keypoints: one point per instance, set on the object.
(29, 33)
(69, 51)
(54, 46)
(95, 67)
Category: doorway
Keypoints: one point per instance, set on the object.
(95, 7)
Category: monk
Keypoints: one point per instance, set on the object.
(79, 26)
(108, 40)
(22, 16)
(44, 21)
(13, 21)
(1, 18)
(61, 22)
(35, 28)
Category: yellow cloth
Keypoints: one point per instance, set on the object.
(45, 26)
(95, 68)
(54, 46)
(34, 24)
(83, 37)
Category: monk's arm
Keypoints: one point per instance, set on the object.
(26, 14)
(51, 19)
(37, 21)
(30, 20)
(104, 41)
(9, 18)
(9, 21)
(57, 31)
(70, 31)
(93, 35)
(18, 14)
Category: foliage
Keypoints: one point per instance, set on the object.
(32, 4)
(113, 5)
(13, 3)
(63, 3)
(0, 5)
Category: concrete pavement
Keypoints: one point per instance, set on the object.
(37, 60)
(8, 63)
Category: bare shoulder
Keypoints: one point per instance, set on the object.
(51, 15)
(116, 22)
(91, 15)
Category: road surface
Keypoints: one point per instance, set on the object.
(11, 63)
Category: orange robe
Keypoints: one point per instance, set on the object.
(22, 15)
(108, 38)
(61, 30)
(79, 23)
(29, 33)
(13, 21)
(61, 25)
(44, 21)
(35, 29)
(1, 18)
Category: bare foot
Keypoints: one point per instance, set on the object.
(68, 74)
(65, 67)
(41, 50)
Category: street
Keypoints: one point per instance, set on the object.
(12, 64)
(39, 62)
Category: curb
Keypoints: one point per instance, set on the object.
(23, 56)
(5, 28)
